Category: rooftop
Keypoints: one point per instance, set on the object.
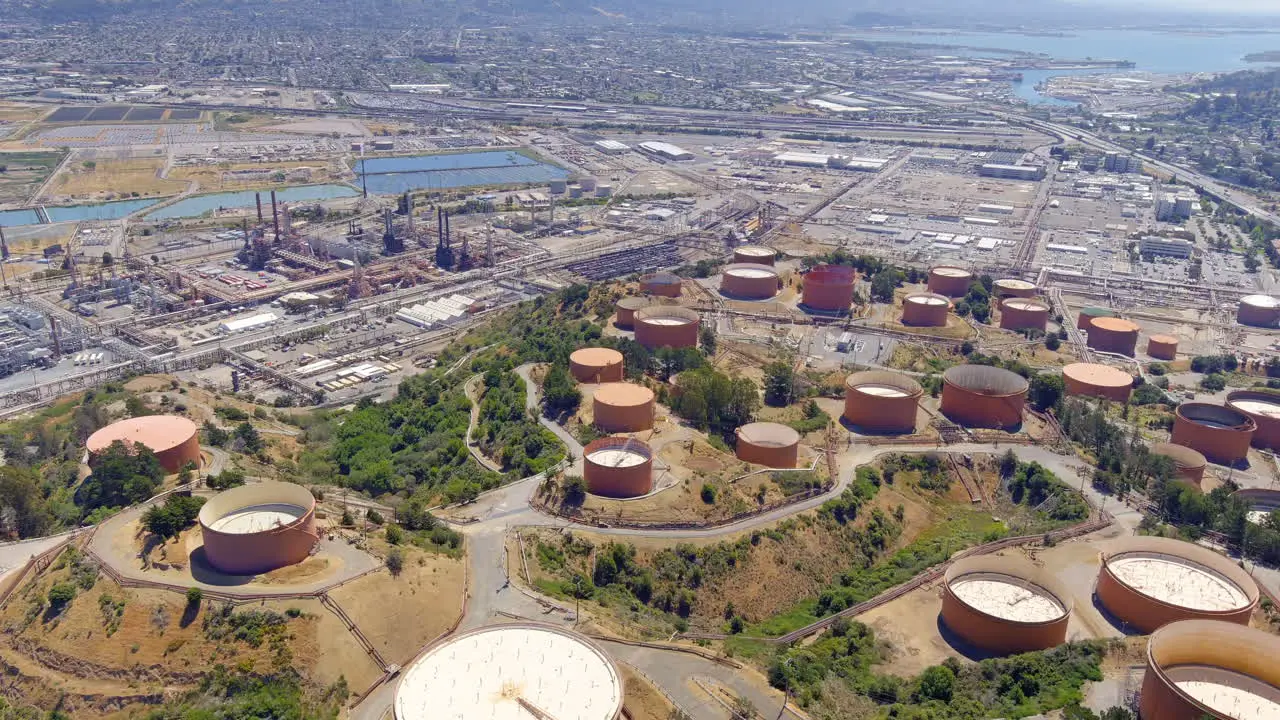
(1007, 597)
(1178, 581)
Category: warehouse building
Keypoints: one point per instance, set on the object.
(666, 150)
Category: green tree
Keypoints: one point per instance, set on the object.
(560, 395)
(395, 561)
(176, 514)
(707, 339)
(1046, 389)
(883, 284)
(20, 493)
(779, 384)
(247, 437)
(937, 683)
(575, 490)
(121, 476)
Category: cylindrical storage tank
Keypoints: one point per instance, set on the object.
(754, 255)
(1019, 313)
(1264, 408)
(1087, 315)
(768, 444)
(1162, 347)
(1188, 464)
(881, 401)
(1097, 380)
(925, 310)
(1221, 434)
(618, 467)
(626, 308)
(950, 281)
(1149, 582)
(175, 440)
(558, 186)
(622, 407)
(588, 184)
(596, 365)
(1013, 287)
(258, 527)
(575, 192)
(1199, 669)
(1262, 502)
(749, 281)
(1114, 335)
(604, 191)
(1005, 605)
(511, 670)
(667, 326)
(829, 288)
(982, 396)
(663, 284)
(1258, 311)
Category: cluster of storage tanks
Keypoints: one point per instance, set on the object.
(656, 325)
(1202, 658)
(1016, 300)
(978, 396)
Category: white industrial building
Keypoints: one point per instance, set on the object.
(252, 322)
(666, 150)
(1168, 247)
(611, 147)
(1172, 208)
(1012, 172)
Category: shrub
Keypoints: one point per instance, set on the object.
(395, 562)
(194, 596)
(394, 535)
(374, 517)
(708, 494)
(61, 594)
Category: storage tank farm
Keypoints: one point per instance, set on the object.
(925, 310)
(749, 281)
(1005, 605)
(1200, 669)
(982, 396)
(1113, 335)
(667, 326)
(1188, 464)
(755, 255)
(618, 467)
(769, 444)
(879, 401)
(258, 527)
(175, 440)
(1258, 311)
(1019, 313)
(1097, 380)
(512, 671)
(662, 284)
(622, 407)
(1264, 408)
(626, 308)
(1221, 434)
(596, 365)
(829, 288)
(1149, 582)
(1087, 316)
(1013, 287)
(950, 281)
(1162, 347)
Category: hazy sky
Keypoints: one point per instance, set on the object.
(1271, 7)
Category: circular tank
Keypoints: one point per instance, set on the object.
(666, 326)
(663, 284)
(950, 281)
(1219, 433)
(1114, 335)
(596, 365)
(749, 281)
(829, 288)
(1162, 347)
(1264, 408)
(1005, 605)
(1020, 313)
(1199, 669)
(618, 467)
(1188, 464)
(925, 310)
(517, 671)
(258, 527)
(1149, 582)
(1258, 311)
(1087, 315)
(626, 308)
(622, 407)
(768, 444)
(174, 440)
(754, 255)
(983, 396)
(1097, 380)
(588, 184)
(1261, 502)
(881, 401)
(1013, 287)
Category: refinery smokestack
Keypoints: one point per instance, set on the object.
(275, 216)
(258, 197)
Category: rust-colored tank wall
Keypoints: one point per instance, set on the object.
(949, 285)
(878, 413)
(1189, 469)
(752, 288)
(1225, 446)
(1267, 436)
(585, 373)
(1257, 316)
(260, 552)
(654, 286)
(924, 314)
(1162, 350)
(1004, 291)
(1147, 614)
(827, 290)
(174, 458)
(617, 482)
(1202, 643)
(739, 256)
(621, 418)
(775, 456)
(676, 336)
(1102, 339)
(996, 635)
(1012, 318)
(1079, 387)
(626, 317)
(981, 411)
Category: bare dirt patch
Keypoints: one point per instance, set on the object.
(643, 700)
